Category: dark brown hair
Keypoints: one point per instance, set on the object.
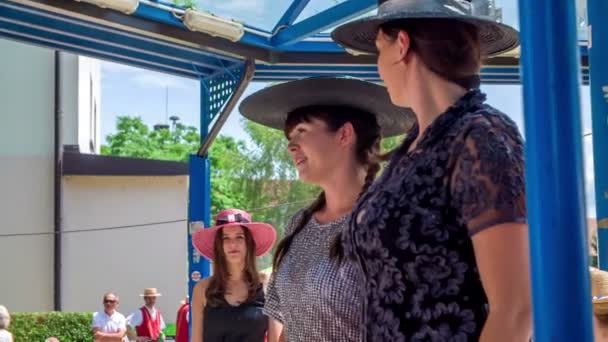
(449, 48)
(367, 152)
(217, 284)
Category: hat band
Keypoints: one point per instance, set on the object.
(462, 7)
(236, 218)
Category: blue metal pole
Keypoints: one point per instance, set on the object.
(199, 200)
(598, 64)
(198, 216)
(554, 172)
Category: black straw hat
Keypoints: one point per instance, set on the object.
(360, 35)
(270, 106)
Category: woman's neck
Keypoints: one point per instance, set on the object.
(235, 272)
(431, 97)
(341, 192)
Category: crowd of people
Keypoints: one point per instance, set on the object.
(145, 324)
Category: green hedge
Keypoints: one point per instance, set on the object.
(66, 326)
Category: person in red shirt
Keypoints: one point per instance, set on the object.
(181, 322)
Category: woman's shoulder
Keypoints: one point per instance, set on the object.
(202, 285)
(293, 222)
(488, 117)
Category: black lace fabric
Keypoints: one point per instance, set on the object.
(411, 232)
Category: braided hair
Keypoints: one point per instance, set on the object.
(367, 152)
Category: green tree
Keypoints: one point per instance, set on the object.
(259, 177)
(228, 158)
(389, 144)
(134, 139)
(185, 3)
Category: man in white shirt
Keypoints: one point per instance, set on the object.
(109, 325)
(147, 323)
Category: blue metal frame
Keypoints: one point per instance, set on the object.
(554, 172)
(598, 55)
(82, 37)
(321, 21)
(41, 26)
(291, 14)
(282, 72)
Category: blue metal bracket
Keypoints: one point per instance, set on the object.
(334, 16)
(219, 87)
(554, 172)
(598, 55)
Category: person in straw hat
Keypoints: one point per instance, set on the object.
(442, 236)
(147, 323)
(235, 291)
(334, 127)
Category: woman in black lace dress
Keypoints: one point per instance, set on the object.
(441, 236)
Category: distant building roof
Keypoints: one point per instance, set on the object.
(76, 163)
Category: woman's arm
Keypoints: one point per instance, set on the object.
(487, 188)
(275, 330)
(502, 257)
(272, 308)
(197, 310)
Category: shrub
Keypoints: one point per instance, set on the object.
(37, 326)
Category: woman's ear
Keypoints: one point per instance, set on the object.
(346, 134)
(404, 44)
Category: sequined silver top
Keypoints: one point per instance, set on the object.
(315, 298)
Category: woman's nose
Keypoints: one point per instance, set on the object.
(292, 147)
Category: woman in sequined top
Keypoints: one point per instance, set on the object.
(441, 236)
(334, 140)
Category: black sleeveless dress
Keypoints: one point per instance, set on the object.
(242, 323)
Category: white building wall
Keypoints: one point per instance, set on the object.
(89, 89)
(26, 175)
(80, 82)
(124, 260)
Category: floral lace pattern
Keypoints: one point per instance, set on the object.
(411, 232)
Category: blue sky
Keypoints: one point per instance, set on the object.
(137, 92)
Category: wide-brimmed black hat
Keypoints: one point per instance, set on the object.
(270, 106)
(360, 35)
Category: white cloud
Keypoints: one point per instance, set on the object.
(150, 79)
(237, 7)
(257, 13)
(141, 77)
